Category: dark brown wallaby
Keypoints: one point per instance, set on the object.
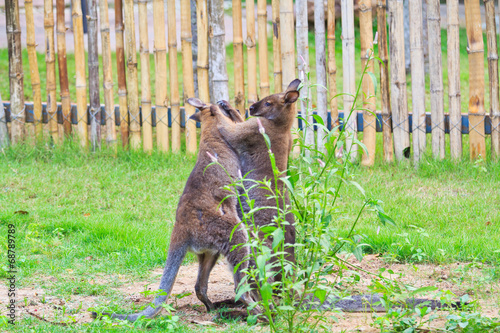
(203, 224)
(277, 116)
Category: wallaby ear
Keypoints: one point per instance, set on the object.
(294, 85)
(291, 96)
(196, 102)
(196, 116)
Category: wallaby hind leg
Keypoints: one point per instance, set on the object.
(206, 264)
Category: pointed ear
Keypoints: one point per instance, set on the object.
(294, 85)
(291, 96)
(197, 103)
(196, 116)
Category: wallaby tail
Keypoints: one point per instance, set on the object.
(371, 303)
(174, 261)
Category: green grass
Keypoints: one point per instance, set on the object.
(464, 73)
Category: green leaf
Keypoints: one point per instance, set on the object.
(384, 218)
(241, 290)
(320, 294)
(278, 237)
(266, 291)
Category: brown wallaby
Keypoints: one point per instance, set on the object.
(204, 220)
(276, 115)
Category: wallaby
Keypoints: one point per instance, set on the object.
(204, 220)
(277, 116)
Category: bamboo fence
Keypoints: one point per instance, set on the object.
(136, 122)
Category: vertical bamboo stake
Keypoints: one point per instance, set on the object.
(93, 59)
(436, 76)
(4, 134)
(349, 75)
(81, 82)
(120, 69)
(303, 67)
(194, 45)
(251, 53)
(17, 114)
(174, 82)
(35, 75)
(160, 51)
(493, 77)
(187, 70)
(332, 64)
(455, 107)
(147, 127)
(476, 79)
(217, 51)
(202, 24)
(263, 63)
(107, 74)
(399, 100)
(132, 84)
(417, 78)
(239, 70)
(63, 68)
(319, 38)
(384, 80)
(278, 79)
(369, 119)
(50, 60)
(287, 43)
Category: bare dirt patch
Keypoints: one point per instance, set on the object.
(459, 278)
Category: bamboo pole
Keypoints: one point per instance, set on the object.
(217, 51)
(436, 78)
(384, 81)
(417, 78)
(174, 82)
(202, 24)
(35, 75)
(332, 64)
(263, 62)
(132, 84)
(476, 79)
(303, 67)
(4, 134)
(251, 53)
(319, 38)
(287, 43)
(16, 76)
(455, 107)
(81, 84)
(239, 70)
(187, 71)
(194, 45)
(399, 100)
(93, 60)
(107, 74)
(160, 51)
(349, 76)
(493, 77)
(63, 68)
(120, 69)
(147, 126)
(50, 61)
(369, 119)
(278, 79)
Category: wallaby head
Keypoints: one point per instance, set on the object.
(203, 108)
(277, 106)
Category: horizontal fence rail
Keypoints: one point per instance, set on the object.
(136, 31)
(464, 128)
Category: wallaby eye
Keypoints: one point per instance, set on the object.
(268, 104)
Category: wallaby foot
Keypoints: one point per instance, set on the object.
(228, 303)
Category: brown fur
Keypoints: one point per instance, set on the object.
(277, 116)
(203, 224)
